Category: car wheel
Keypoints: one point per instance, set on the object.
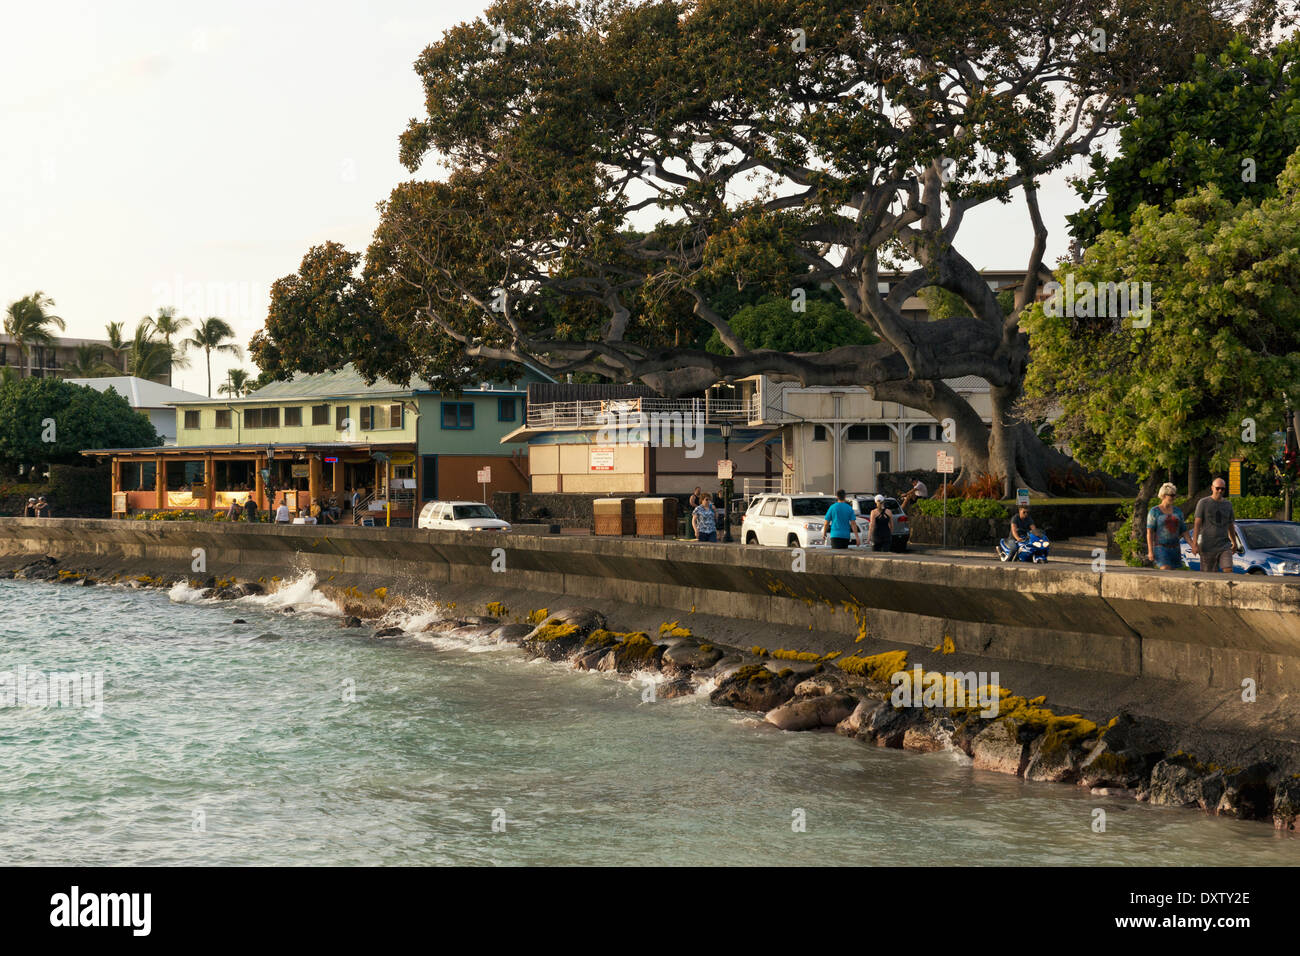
(792, 541)
(1256, 571)
(751, 538)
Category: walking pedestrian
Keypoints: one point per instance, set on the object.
(695, 498)
(705, 520)
(232, 513)
(282, 513)
(1165, 528)
(841, 523)
(29, 509)
(42, 507)
(1215, 532)
(880, 528)
(250, 509)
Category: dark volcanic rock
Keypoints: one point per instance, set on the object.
(388, 632)
(851, 726)
(678, 687)
(352, 621)
(929, 736)
(825, 710)
(629, 656)
(1286, 803)
(687, 655)
(239, 620)
(250, 587)
(754, 687)
(511, 633)
(998, 747)
(589, 658)
(1248, 793)
(1176, 782)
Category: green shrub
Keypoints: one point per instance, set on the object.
(962, 508)
(1256, 506)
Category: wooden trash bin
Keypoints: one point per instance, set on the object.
(656, 517)
(614, 516)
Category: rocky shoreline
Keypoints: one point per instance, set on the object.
(802, 691)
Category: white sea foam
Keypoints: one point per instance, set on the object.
(299, 593)
(182, 593)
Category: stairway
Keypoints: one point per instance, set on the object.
(1080, 548)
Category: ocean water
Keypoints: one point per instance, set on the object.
(292, 740)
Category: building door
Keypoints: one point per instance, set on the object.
(881, 464)
(430, 469)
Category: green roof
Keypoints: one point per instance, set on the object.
(345, 381)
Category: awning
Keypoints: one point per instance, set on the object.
(764, 438)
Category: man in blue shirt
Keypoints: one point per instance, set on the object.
(841, 523)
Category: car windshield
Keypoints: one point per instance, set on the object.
(471, 511)
(1281, 534)
(811, 507)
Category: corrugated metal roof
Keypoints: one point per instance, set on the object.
(139, 392)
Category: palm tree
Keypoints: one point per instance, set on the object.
(238, 383)
(27, 322)
(211, 335)
(168, 325)
(147, 356)
(116, 345)
(88, 363)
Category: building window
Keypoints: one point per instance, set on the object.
(293, 417)
(320, 414)
(342, 417)
(926, 433)
(819, 433)
(505, 409)
(869, 433)
(367, 417)
(395, 415)
(457, 415)
(192, 418)
(262, 418)
(223, 418)
(138, 475)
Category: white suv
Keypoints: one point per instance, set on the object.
(460, 516)
(786, 521)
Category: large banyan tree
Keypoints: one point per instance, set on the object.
(614, 172)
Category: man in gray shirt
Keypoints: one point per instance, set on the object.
(1214, 536)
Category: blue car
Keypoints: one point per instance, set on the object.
(1272, 547)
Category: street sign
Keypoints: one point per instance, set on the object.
(725, 467)
(602, 459)
(1022, 497)
(946, 463)
(485, 475)
(1234, 476)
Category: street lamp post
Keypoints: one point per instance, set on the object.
(725, 429)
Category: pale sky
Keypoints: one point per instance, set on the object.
(175, 154)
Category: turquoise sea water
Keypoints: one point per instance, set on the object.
(224, 743)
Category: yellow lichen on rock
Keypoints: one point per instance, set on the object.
(877, 667)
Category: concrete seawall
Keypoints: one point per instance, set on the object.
(1193, 630)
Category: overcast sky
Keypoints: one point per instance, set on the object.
(175, 154)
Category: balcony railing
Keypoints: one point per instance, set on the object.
(639, 411)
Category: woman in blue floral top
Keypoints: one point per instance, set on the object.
(1165, 527)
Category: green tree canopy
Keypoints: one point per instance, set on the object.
(614, 166)
(1222, 351)
(773, 324)
(1234, 122)
(81, 418)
